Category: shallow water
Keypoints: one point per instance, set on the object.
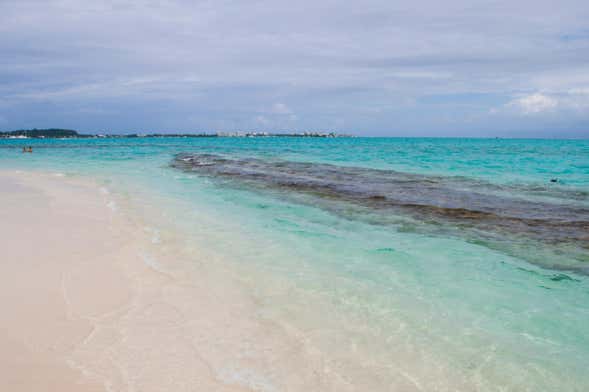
(447, 263)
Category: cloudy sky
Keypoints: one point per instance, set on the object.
(373, 67)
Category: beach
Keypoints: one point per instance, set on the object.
(82, 310)
(308, 196)
(61, 272)
(87, 308)
(277, 265)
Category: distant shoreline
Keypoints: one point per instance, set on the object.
(55, 133)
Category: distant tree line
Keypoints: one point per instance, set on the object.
(42, 133)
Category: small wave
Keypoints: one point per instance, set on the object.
(155, 235)
(152, 263)
(245, 377)
(112, 205)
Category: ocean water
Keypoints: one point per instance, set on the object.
(451, 264)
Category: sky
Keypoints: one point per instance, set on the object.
(517, 68)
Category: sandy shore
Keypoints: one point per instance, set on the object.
(58, 272)
(88, 304)
(81, 309)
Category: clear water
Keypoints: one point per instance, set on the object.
(424, 296)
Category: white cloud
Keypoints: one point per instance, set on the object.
(576, 100)
(534, 103)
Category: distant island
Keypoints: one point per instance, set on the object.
(40, 133)
(57, 133)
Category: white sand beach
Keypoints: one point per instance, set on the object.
(60, 274)
(87, 307)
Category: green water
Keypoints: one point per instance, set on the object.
(495, 310)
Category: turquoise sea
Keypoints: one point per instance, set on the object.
(459, 264)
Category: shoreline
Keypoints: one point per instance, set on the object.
(126, 288)
(91, 304)
(59, 246)
(91, 309)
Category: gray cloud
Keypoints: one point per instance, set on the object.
(367, 67)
